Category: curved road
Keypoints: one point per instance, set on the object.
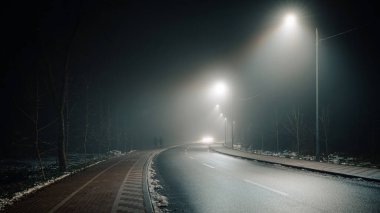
(198, 180)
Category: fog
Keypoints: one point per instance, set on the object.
(134, 73)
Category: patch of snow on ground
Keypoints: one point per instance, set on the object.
(160, 202)
(334, 158)
(6, 201)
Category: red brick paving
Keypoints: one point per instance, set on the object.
(96, 196)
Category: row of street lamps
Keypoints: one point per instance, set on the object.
(224, 117)
(220, 89)
(290, 20)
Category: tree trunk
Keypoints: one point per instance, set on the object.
(62, 161)
(108, 128)
(62, 137)
(36, 141)
(277, 146)
(67, 125)
(86, 126)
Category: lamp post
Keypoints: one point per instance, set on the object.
(220, 89)
(290, 19)
(317, 151)
(225, 131)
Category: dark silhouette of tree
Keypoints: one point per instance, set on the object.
(325, 124)
(296, 126)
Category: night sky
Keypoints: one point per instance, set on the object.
(150, 64)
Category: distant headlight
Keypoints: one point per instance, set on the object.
(207, 140)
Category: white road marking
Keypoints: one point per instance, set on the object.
(191, 157)
(209, 166)
(266, 187)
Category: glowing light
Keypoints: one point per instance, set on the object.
(217, 107)
(221, 115)
(207, 140)
(220, 89)
(290, 20)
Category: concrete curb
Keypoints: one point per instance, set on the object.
(147, 199)
(147, 193)
(299, 167)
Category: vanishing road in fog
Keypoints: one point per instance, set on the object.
(199, 180)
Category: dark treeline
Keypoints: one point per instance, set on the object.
(54, 98)
(282, 116)
(93, 76)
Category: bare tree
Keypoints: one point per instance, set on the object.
(62, 161)
(296, 126)
(108, 127)
(276, 126)
(69, 108)
(60, 107)
(36, 130)
(35, 119)
(325, 124)
(86, 123)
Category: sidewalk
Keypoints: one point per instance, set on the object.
(371, 174)
(115, 185)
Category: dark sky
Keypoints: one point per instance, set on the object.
(153, 59)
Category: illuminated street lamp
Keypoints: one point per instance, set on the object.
(220, 89)
(289, 21)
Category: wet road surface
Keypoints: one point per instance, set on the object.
(199, 180)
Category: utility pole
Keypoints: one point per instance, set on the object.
(225, 131)
(317, 154)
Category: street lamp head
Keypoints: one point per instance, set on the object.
(290, 20)
(220, 89)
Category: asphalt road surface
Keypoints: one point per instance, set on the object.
(198, 180)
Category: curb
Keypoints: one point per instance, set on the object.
(147, 199)
(147, 193)
(301, 168)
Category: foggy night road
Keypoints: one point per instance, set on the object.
(199, 180)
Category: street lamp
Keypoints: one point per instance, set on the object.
(220, 89)
(290, 20)
(225, 131)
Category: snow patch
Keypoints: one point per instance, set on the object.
(9, 201)
(159, 201)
